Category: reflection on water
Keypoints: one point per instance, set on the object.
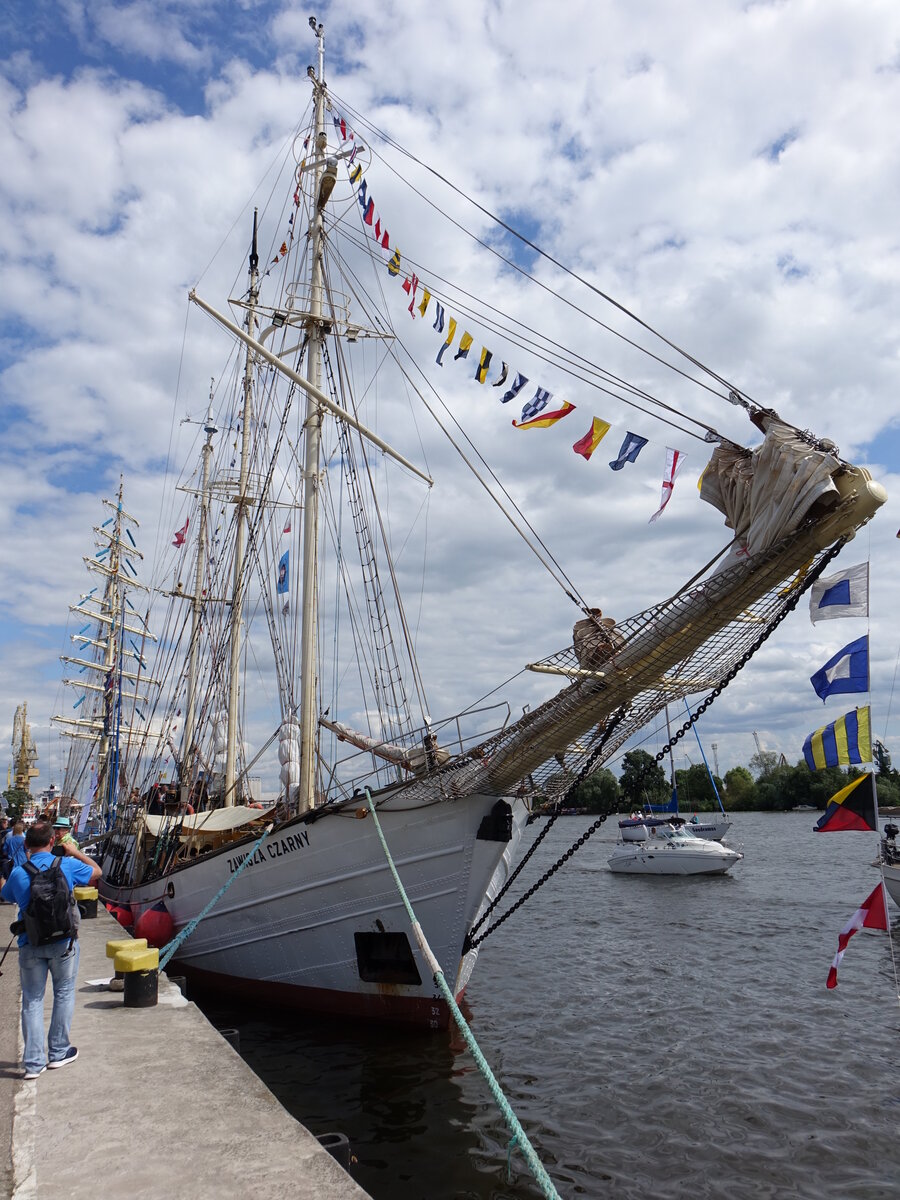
(656, 1037)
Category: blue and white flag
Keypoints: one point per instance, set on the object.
(282, 582)
(439, 317)
(518, 383)
(845, 594)
(846, 671)
(631, 448)
(536, 404)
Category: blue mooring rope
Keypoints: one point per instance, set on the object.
(519, 1136)
(170, 947)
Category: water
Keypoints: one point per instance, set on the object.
(656, 1038)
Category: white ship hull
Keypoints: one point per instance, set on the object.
(287, 930)
(892, 880)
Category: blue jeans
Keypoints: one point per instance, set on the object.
(61, 960)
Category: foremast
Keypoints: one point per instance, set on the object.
(242, 503)
(308, 713)
(188, 753)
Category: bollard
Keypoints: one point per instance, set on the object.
(140, 967)
(180, 982)
(86, 899)
(337, 1145)
(232, 1037)
(117, 983)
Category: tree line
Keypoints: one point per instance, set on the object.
(768, 784)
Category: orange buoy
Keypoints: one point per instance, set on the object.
(123, 915)
(156, 925)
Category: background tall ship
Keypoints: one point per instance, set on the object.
(264, 608)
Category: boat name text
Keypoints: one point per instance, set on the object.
(285, 845)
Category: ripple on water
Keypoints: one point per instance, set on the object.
(665, 1038)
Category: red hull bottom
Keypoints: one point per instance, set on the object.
(386, 1006)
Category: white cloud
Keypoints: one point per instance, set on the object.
(638, 142)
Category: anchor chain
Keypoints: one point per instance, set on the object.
(473, 938)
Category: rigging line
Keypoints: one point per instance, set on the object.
(278, 158)
(418, 681)
(544, 254)
(541, 352)
(558, 573)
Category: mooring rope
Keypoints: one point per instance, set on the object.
(170, 947)
(519, 1137)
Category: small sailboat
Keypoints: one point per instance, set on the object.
(263, 661)
(713, 827)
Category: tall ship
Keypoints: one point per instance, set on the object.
(107, 675)
(284, 633)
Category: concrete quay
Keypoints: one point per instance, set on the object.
(157, 1105)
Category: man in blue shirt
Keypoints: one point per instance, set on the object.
(59, 958)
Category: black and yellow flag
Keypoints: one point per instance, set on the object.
(853, 807)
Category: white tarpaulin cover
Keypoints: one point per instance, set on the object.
(219, 820)
(766, 494)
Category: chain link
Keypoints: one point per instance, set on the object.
(748, 654)
(473, 938)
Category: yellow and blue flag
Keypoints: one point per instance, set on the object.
(845, 741)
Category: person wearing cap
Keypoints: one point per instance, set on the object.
(62, 830)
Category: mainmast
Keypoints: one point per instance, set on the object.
(313, 430)
(187, 746)
(242, 503)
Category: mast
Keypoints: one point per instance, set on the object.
(241, 502)
(313, 429)
(113, 608)
(187, 745)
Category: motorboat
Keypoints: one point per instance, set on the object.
(664, 849)
(890, 861)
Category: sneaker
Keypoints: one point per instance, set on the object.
(34, 1074)
(70, 1055)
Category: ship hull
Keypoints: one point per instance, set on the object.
(316, 922)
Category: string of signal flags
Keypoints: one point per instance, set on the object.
(539, 412)
(847, 741)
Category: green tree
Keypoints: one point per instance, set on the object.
(17, 800)
(764, 763)
(888, 791)
(599, 792)
(695, 790)
(740, 790)
(643, 781)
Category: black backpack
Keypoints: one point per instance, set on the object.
(50, 915)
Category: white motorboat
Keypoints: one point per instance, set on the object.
(667, 850)
(890, 861)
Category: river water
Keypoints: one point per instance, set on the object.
(656, 1038)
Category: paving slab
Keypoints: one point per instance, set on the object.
(157, 1105)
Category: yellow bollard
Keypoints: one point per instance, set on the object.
(117, 983)
(86, 899)
(140, 968)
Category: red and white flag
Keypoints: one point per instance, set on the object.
(181, 534)
(871, 914)
(674, 459)
(287, 526)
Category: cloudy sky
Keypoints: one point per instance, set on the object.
(729, 172)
